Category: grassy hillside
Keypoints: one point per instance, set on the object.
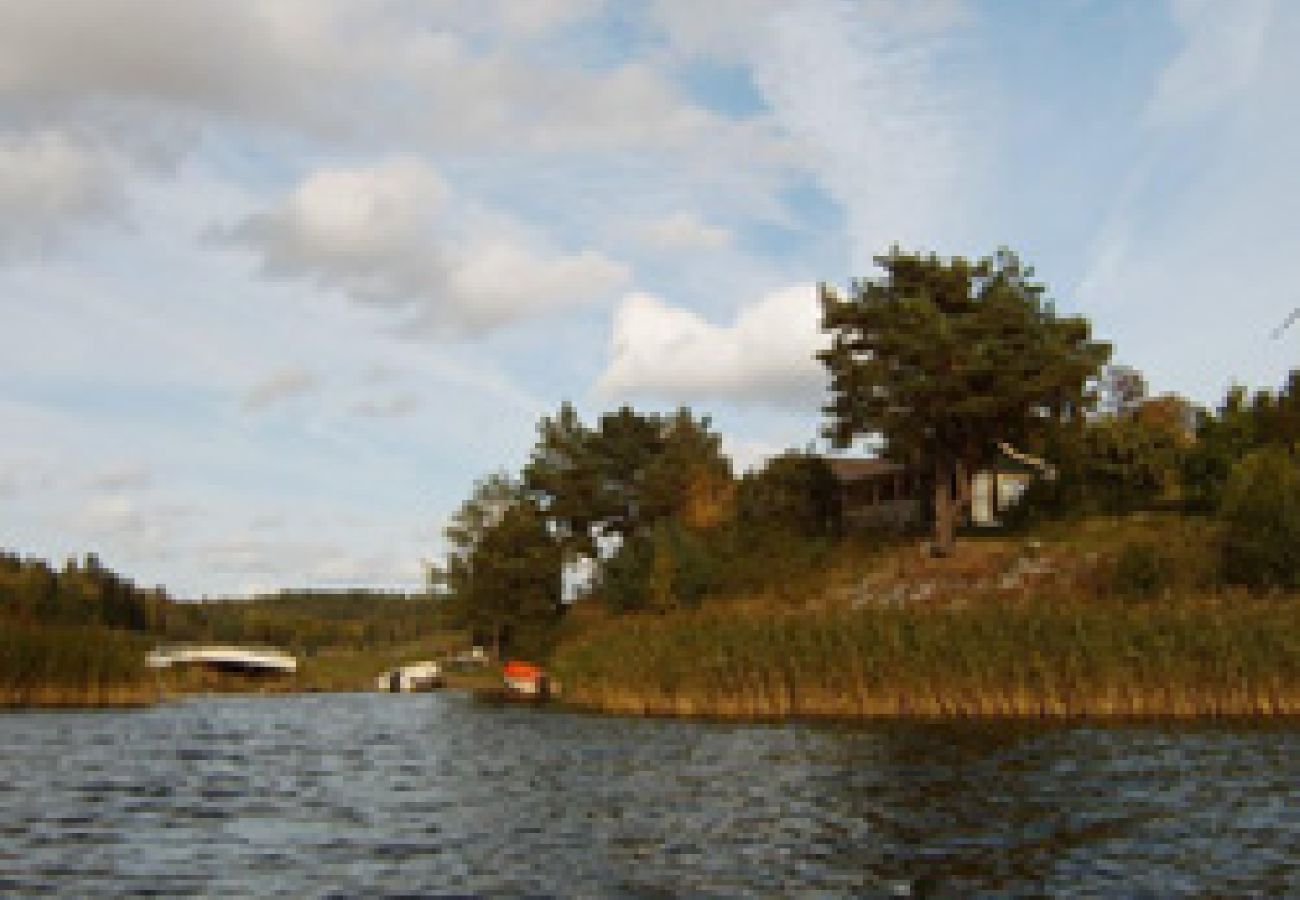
(1110, 617)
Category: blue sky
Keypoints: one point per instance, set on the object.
(278, 281)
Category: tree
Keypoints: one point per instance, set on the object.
(1261, 519)
(509, 586)
(505, 568)
(617, 480)
(947, 358)
(1241, 424)
(795, 493)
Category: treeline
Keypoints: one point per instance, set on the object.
(309, 621)
(83, 593)
(1237, 464)
(647, 508)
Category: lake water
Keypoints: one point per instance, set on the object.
(407, 795)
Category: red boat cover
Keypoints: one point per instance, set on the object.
(522, 670)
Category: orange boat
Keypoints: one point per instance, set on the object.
(524, 679)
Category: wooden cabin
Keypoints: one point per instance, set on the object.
(881, 493)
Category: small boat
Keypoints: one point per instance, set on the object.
(410, 678)
(525, 679)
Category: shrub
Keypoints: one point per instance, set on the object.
(1261, 519)
(1140, 571)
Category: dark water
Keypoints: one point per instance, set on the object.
(376, 795)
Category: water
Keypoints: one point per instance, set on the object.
(379, 795)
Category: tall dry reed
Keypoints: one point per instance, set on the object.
(43, 665)
(1170, 658)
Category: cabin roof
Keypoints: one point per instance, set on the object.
(848, 470)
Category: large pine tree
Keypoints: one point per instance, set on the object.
(946, 358)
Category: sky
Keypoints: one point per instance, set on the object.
(279, 281)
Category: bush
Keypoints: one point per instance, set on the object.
(1141, 571)
(1261, 519)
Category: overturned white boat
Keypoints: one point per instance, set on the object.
(417, 676)
(257, 660)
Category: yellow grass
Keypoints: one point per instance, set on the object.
(1191, 657)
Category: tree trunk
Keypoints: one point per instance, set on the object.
(962, 515)
(943, 509)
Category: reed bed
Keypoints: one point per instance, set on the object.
(1187, 658)
(44, 665)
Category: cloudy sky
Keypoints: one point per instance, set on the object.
(279, 280)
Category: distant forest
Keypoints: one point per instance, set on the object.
(85, 593)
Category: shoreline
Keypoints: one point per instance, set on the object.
(823, 710)
(903, 709)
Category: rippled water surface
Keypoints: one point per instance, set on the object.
(384, 794)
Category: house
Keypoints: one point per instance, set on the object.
(881, 493)
(999, 487)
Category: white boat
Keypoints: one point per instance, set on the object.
(417, 676)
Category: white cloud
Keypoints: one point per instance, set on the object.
(1220, 58)
(1207, 260)
(112, 513)
(683, 231)
(452, 74)
(260, 561)
(855, 88)
(127, 476)
(765, 355)
(882, 133)
(391, 407)
(540, 16)
(717, 30)
(260, 60)
(390, 235)
(125, 521)
(48, 182)
(747, 454)
(278, 386)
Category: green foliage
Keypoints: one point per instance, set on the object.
(505, 586)
(83, 593)
(1241, 425)
(1261, 516)
(795, 493)
(671, 567)
(1129, 460)
(1126, 464)
(619, 479)
(945, 358)
(310, 621)
(1221, 440)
